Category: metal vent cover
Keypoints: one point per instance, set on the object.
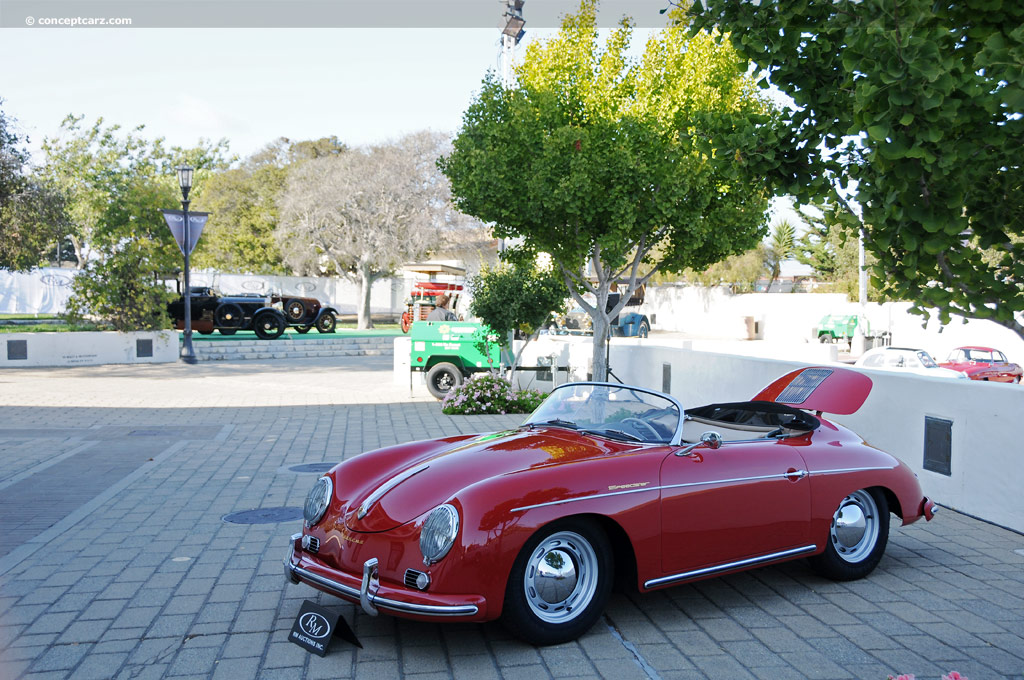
(938, 445)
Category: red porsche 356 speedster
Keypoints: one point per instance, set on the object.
(532, 524)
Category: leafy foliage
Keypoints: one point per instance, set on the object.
(830, 247)
(115, 184)
(920, 104)
(739, 273)
(517, 297)
(780, 248)
(629, 167)
(489, 393)
(364, 212)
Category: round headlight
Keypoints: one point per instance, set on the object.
(317, 501)
(438, 533)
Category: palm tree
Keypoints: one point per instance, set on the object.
(780, 249)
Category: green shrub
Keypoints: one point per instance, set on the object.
(488, 393)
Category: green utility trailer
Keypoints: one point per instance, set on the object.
(450, 351)
(836, 327)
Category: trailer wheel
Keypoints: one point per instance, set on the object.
(643, 330)
(443, 378)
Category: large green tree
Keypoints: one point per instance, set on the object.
(115, 182)
(243, 202)
(920, 105)
(620, 166)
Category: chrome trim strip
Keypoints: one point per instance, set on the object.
(342, 590)
(379, 492)
(365, 596)
(585, 498)
(728, 567)
(785, 475)
(839, 470)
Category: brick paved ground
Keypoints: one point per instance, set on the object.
(115, 561)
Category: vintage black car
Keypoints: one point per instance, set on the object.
(266, 315)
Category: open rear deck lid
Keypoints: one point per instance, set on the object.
(828, 389)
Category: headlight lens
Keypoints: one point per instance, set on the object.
(438, 533)
(317, 501)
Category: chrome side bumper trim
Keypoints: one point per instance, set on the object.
(295, 574)
(707, 571)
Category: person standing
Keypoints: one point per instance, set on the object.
(441, 311)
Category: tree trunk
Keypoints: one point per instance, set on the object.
(364, 319)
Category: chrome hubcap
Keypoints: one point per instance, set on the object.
(854, 530)
(561, 577)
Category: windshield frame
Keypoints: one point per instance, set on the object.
(677, 436)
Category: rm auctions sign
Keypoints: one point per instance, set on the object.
(315, 626)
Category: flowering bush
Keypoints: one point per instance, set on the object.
(952, 675)
(488, 393)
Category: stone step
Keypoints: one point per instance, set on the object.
(284, 348)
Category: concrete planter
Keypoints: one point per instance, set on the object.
(24, 350)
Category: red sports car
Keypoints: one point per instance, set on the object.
(531, 525)
(983, 363)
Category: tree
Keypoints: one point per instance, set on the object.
(243, 202)
(628, 167)
(115, 184)
(830, 247)
(362, 213)
(32, 222)
(517, 297)
(779, 249)
(920, 105)
(739, 273)
(13, 159)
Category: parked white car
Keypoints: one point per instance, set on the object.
(906, 359)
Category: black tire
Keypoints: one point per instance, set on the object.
(228, 315)
(295, 310)
(327, 322)
(561, 605)
(268, 324)
(825, 338)
(303, 329)
(443, 378)
(857, 537)
(209, 332)
(644, 330)
(227, 331)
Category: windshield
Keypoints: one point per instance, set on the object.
(613, 411)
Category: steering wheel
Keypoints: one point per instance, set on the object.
(644, 428)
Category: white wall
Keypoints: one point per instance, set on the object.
(87, 348)
(987, 471)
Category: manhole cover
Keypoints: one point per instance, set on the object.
(311, 467)
(287, 513)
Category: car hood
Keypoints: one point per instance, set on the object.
(415, 487)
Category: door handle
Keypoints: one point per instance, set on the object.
(795, 475)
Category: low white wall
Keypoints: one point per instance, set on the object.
(87, 348)
(987, 474)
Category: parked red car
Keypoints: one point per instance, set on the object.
(983, 363)
(531, 525)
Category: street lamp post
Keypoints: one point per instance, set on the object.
(185, 173)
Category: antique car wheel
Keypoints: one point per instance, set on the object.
(268, 325)
(644, 330)
(295, 310)
(326, 322)
(443, 378)
(406, 322)
(857, 537)
(227, 331)
(303, 329)
(208, 332)
(228, 314)
(560, 583)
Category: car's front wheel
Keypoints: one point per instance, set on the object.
(857, 537)
(326, 323)
(268, 325)
(560, 583)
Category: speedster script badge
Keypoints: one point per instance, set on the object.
(315, 626)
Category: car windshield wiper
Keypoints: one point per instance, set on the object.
(614, 434)
(557, 422)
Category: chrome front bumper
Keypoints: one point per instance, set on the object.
(367, 594)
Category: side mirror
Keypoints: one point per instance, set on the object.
(710, 439)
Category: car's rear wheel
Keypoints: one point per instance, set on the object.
(228, 314)
(303, 329)
(644, 330)
(227, 331)
(443, 378)
(857, 537)
(560, 583)
(268, 325)
(326, 323)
